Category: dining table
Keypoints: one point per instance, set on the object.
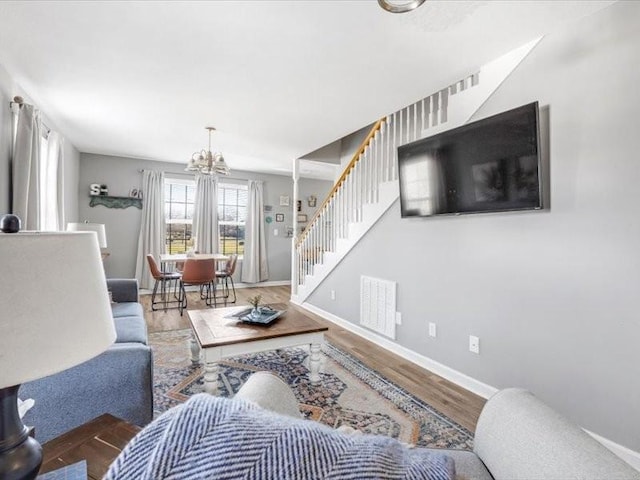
(183, 257)
(168, 261)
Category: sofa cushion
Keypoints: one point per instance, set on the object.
(130, 329)
(127, 309)
(468, 465)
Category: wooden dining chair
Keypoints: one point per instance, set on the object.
(201, 272)
(162, 278)
(227, 274)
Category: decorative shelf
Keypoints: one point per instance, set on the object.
(115, 202)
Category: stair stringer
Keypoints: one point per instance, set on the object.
(371, 214)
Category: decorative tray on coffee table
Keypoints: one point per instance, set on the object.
(267, 316)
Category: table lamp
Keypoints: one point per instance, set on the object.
(55, 315)
(91, 227)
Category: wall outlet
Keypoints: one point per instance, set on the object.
(333, 294)
(432, 329)
(398, 318)
(474, 344)
(275, 232)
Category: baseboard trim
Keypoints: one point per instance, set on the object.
(626, 454)
(459, 378)
(272, 283)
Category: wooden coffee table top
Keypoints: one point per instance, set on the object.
(213, 330)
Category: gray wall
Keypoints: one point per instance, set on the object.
(329, 153)
(553, 295)
(123, 225)
(9, 89)
(308, 187)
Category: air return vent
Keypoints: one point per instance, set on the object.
(378, 305)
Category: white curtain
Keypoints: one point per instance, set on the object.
(254, 265)
(26, 168)
(205, 216)
(52, 184)
(152, 225)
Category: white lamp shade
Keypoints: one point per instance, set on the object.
(55, 304)
(90, 227)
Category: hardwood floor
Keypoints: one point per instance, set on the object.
(457, 403)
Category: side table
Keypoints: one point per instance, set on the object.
(98, 442)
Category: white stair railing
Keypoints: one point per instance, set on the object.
(374, 163)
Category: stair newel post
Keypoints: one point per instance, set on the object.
(295, 252)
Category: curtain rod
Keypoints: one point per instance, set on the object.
(141, 170)
(19, 101)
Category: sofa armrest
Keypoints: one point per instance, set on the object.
(271, 393)
(520, 437)
(119, 381)
(123, 289)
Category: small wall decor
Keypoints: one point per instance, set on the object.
(115, 202)
(133, 193)
(284, 200)
(104, 190)
(311, 201)
(302, 217)
(268, 219)
(268, 208)
(94, 189)
(279, 217)
(289, 232)
(298, 205)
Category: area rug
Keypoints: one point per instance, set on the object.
(349, 393)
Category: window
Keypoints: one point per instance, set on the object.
(179, 196)
(232, 216)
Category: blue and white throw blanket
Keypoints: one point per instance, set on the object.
(216, 438)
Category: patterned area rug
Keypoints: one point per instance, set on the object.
(350, 393)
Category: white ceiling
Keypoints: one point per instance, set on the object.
(278, 79)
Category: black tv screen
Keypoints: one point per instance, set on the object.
(485, 166)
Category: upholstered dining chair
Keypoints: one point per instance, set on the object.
(162, 278)
(227, 274)
(200, 272)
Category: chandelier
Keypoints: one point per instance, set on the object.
(208, 163)
(400, 6)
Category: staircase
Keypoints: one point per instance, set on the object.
(368, 185)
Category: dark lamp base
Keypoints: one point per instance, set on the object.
(9, 223)
(20, 455)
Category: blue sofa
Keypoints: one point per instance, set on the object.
(118, 381)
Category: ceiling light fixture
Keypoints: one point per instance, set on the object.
(208, 163)
(400, 6)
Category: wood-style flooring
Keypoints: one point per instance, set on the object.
(457, 403)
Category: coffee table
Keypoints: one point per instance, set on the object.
(217, 337)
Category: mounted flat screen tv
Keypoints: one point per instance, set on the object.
(492, 165)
